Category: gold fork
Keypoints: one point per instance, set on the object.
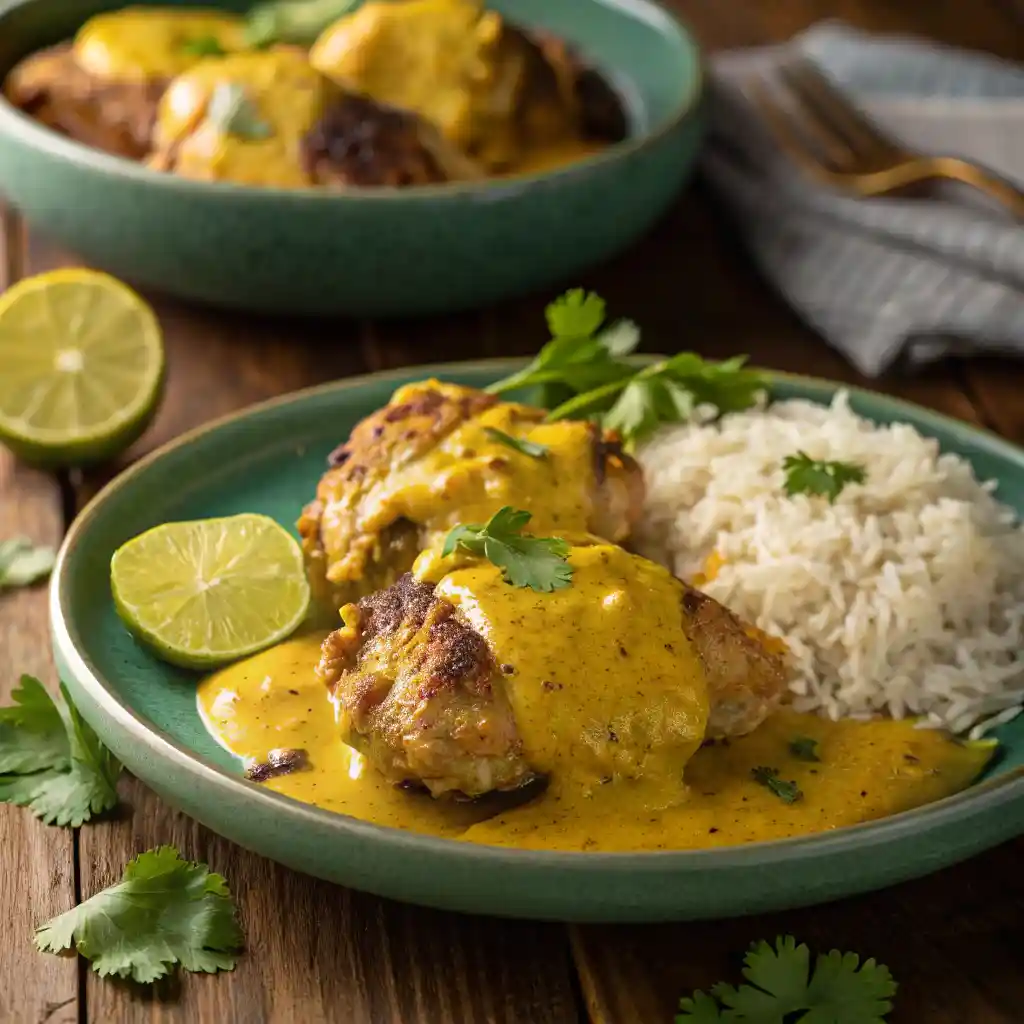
(835, 143)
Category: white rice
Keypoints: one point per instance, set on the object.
(906, 596)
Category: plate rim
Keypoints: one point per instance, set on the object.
(1003, 791)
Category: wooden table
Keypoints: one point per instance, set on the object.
(318, 952)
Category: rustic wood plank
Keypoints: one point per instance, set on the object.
(37, 878)
(319, 953)
(997, 387)
(953, 941)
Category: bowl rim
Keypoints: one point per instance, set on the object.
(1001, 792)
(23, 129)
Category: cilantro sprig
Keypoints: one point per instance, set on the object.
(51, 761)
(540, 563)
(840, 990)
(518, 444)
(582, 374)
(164, 911)
(805, 475)
(23, 563)
(787, 792)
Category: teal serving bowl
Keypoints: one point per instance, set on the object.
(268, 459)
(372, 251)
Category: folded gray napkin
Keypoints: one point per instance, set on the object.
(883, 280)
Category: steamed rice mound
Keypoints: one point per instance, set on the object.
(905, 596)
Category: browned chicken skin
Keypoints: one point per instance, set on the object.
(425, 463)
(420, 693)
(358, 142)
(117, 117)
(421, 696)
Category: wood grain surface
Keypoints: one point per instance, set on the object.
(320, 953)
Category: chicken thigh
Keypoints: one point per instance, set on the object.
(473, 685)
(440, 454)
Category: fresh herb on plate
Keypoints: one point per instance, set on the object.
(582, 374)
(164, 911)
(667, 392)
(803, 748)
(787, 792)
(805, 475)
(52, 762)
(23, 563)
(580, 355)
(519, 444)
(840, 990)
(231, 110)
(539, 563)
(203, 46)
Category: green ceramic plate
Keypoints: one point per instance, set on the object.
(268, 460)
(367, 252)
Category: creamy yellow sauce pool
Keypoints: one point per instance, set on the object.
(867, 770)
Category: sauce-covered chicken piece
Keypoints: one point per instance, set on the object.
(269, 118)
(103, 88)
(475, 685)
(438, 455)
(487, 87)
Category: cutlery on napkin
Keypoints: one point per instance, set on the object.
(888, 280)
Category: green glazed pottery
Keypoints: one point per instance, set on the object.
(268, 459)
(372, 252)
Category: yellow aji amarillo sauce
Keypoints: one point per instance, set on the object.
(867, 770)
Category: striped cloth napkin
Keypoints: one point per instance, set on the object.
(885, 281)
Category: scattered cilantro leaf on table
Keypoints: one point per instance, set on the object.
(805, 475)
(803, 748)
(783, 990)
(787, 792)
(539, 563)
(32, 732)
(518, 444)
(23, 563)
(164, 911)
(51, 761)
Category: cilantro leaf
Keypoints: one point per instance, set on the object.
(53, 763)
(164, 911)
(805, 475)
(203, 46)
(23, 563)
(231, 111)
(32, 733)
(783, 990)
(803, 748)
(787, 792)
(540, 563)
(576, 314)
(666, 392)
(519, 444)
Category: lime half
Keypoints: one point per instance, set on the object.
(207, 592)
(81, 367)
